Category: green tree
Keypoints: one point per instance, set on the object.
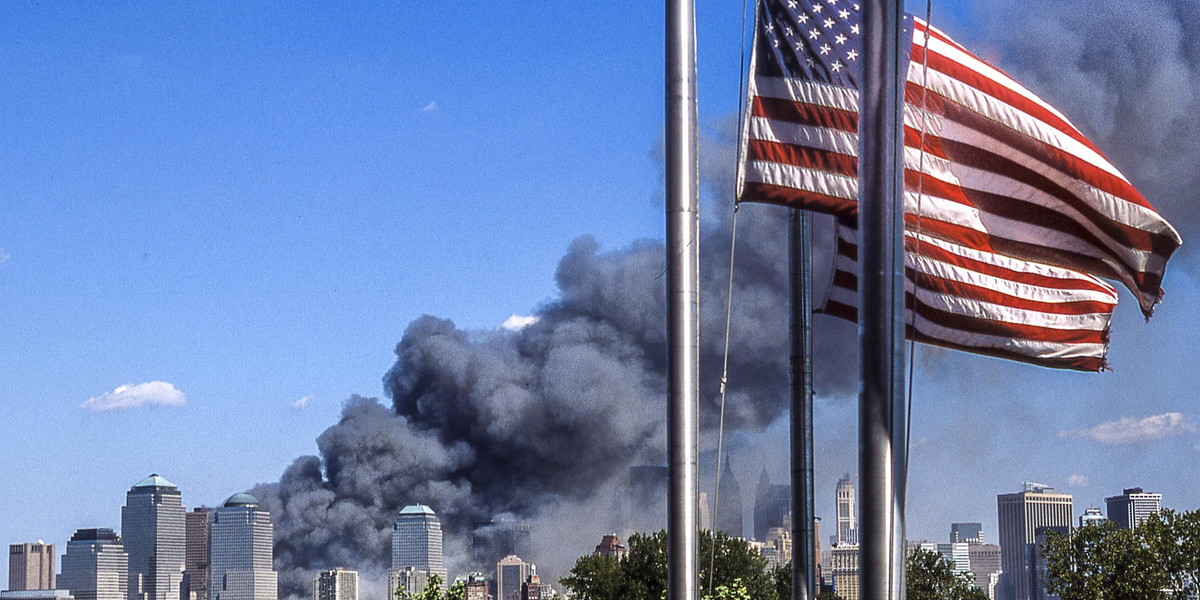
(931, 576)
(1159, 559)
(642, 574)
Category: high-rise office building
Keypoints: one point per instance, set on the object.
(985, 566)
(729, 503)
(967, 533)
(772, 502)
(95, 566)
(1132, 507)
(31, 566)
(153, 531)
(496, 539)
(1020, 515)
(241, 552)
(1037, 562)
(511, 572)
(336, 584)
(847, 522)
(195, 559)
(476, 588)
(417, 540)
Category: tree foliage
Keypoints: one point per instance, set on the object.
(738, 572)
(931, 576)
(1159, 559)
(433, 591)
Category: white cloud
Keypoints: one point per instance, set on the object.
(432, 106)
(303, 402)
(518, 322)
(1131, 430)
(1078, 481)
(154, 393)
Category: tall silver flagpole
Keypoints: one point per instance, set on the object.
(683, 301)
(800, 283)
(881, 301)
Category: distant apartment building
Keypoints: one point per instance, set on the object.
(843, 559)
(1132, 507)
(1091, 516)
(959, 555)
(1020, 515)
(985, 566)
(476, 587)
(611, 546)
(31, 566)
(409, 580)
(336, 584)
(95, 566)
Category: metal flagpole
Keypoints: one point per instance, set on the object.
(881, 420)
(683, 323)
(800, 284)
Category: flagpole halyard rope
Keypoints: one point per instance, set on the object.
(742, 91)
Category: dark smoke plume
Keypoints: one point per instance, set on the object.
(540, 422)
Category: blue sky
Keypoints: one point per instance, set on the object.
(251, 201)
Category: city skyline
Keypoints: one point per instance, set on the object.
(218, 223)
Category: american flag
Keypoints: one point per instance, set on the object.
(991, 170)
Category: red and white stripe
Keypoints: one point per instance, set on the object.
(1000, 171)
(987, 303)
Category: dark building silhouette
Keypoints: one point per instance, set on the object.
(502, 537)
(729, 503)
(771, 504)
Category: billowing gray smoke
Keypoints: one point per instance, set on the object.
(491, 422)
(538, 422)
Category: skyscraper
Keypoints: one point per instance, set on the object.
(511, 572)
(1020, 515)
(195, 560)
(95, 566)
(1091, 516)
(1132, 507)
(153, 531)
(240, 550)
(336, 584)
(771, 504)
(31, 566)
(969, 533)
(498, 538)
(847, 522)
(844, 566)
(417, 540)
(729, 503)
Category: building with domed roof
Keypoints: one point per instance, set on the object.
(152, 529)
(417, 541)
(241, 551)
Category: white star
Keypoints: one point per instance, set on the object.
(852, 54)
(803, 18)
(813, 34)
(799, 46)
(837, 65)
(792, 4)
(856, 7)
(788, 31)
(825, 48)
(809, 61)
(841, 39)
(828, 23)
(832, 2)
(817, 8)
(854, 29)
(845, 14)
(770, 27)
(775, 42)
